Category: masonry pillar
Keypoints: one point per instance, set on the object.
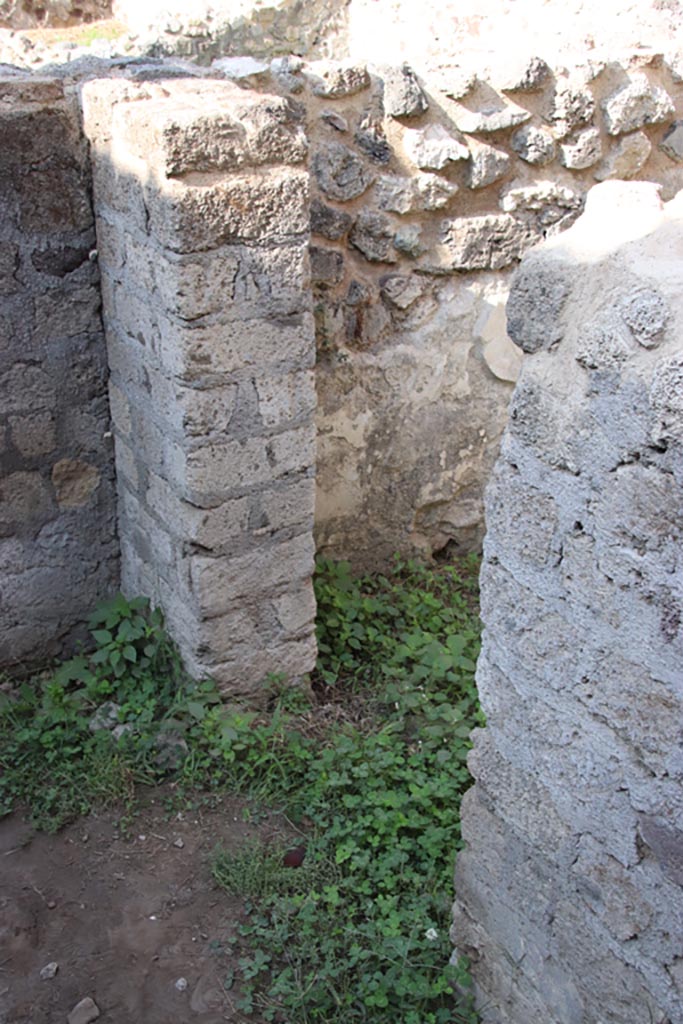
(570, 888)
(202, 224)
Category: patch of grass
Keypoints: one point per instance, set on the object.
(373, 769)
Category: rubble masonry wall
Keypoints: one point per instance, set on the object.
(58, 549)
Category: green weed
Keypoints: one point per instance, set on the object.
(359, 932)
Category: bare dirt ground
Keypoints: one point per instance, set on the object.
(124, 916)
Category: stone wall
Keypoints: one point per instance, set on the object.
(58, 553)
(570, 899)
(27, 14)
(202, 221)
(427, 191)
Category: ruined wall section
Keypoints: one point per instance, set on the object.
(570, 888)
(427, 191)
(58, 551)
(202, 220)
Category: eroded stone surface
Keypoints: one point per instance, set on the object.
(573, 827)
(636, 104)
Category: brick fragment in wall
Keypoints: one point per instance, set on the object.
(578, 674)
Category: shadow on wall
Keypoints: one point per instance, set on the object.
(58, 547)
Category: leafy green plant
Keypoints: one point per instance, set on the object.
(372, 768)
(372, 945)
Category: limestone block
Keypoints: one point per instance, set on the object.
(493, 118)
(215, 140)
(286, 504)
(483, 243)
(636, 104)
(488, 164)
(626, 159)
(185, 218)
(202, 414)
(296, 610)
(286, 399)
(245, 675)
(408, 195)
(334, 81)
(340, 173)
(584, 151)
(403, 95)
(534, 145)
(571, 106)
(523, 75)
(433, 148)
(212, 355)
(210, 475)
(219, 586)
(211, 529)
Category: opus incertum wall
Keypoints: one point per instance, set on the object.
(58, 549)
(202, 220)
(570, 889)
